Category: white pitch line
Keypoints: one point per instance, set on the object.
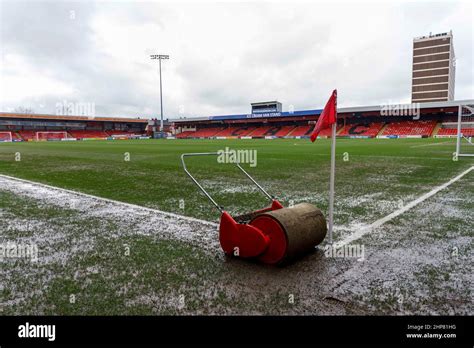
(130, 205)
(363, 231)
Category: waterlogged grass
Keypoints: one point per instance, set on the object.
(292, 170)
(94, 266)
(417, 263)
(136, 275)
(86, 266)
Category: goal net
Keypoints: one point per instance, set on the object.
(44, 136)
(6, 137)
(465, 131)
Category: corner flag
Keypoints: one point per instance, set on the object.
(327, 119)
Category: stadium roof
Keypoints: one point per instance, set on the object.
(347, 110)
(71, 118)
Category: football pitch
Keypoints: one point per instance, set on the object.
(113, 249)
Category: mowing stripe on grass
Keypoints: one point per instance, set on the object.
(130, 205)
(363, 231)
(435, 144)
(389, 156)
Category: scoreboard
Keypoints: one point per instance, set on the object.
(266, 107)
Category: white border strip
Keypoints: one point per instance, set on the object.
(363, 231)
(130, 205)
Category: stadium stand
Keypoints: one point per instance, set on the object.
(301, 131)
(81, 134)
(358, 121)
(185, 134)
(235, 132)
(436, 119)
(239, 132)
(261, 131)
(51, 135)
(327, 132)
(120, 132)
(368, 130)
(403, 128)
(284, 131)
(246, 131)
(25, 126)
(27, 135)
(468, 132)
(205, 132)
(406, 128)
(226, 132)
(4, 136)
(272, 131)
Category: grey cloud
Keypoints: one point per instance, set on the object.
(293, 52)
(46, 32)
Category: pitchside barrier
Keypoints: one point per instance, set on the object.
(387, 136)
(356, 137)
(268, 137)
(118, 137)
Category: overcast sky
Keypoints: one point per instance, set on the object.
(223, 55)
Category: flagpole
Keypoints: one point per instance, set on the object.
(331, 180)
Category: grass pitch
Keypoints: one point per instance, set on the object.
(297, 170)
(417, 263)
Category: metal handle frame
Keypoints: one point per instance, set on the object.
(219, 207)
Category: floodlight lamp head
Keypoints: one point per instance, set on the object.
(159, 56)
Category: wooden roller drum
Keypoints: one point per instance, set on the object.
(292, 231)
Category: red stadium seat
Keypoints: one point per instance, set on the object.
(27, 135)
(301, 131)
(199, 133)
(232, 131)
(184, 134)
(81, 134)
(260, 131)
(468, 132)
(404, 128)
(206, 132)
(284, 131)
(368, 130)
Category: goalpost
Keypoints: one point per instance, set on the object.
(55, 135)
(460, 137)
(9, 139)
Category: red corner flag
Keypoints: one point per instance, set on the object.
(327, 117)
